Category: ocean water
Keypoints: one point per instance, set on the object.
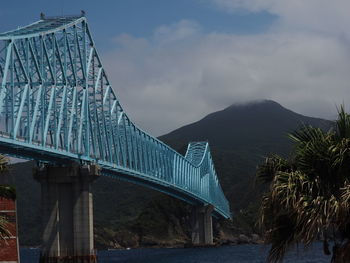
(225, 254)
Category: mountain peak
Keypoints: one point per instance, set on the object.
(255, 104)
(251, 110)
(256, 124)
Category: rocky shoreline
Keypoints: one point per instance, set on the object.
(166, 223)
(242, 239)
(128, 240)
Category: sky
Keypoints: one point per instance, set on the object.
(171, 62)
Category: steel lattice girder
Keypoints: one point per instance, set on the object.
(57, 105)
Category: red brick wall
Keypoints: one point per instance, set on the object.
(8, 248)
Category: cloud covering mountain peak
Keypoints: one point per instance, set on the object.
(182, 72)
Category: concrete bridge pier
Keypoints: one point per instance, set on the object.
(202, 225)
(67, 213)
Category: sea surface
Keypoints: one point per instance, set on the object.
(225, 254)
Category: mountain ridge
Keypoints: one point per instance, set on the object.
(263, 108)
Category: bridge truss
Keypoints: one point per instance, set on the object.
(58, 106)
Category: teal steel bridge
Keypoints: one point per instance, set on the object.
(58, 106)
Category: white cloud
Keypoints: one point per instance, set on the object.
(176, 33)
(318, 15)
(181, 74)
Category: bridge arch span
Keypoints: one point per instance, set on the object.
(58, 106)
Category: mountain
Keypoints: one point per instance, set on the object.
(240, 136)
(259, 125)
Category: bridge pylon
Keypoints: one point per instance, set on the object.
(67, 212)
(202, 225)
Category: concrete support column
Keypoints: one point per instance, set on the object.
(67, 212)
(202, 225)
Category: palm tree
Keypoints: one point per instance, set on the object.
(7, 192)
(309, 193)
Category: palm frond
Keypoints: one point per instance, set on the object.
(306, 134)
(3, 164)
(4, 232)
(267, 171)
(309, 194)
(8, 192)
(343, 123)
